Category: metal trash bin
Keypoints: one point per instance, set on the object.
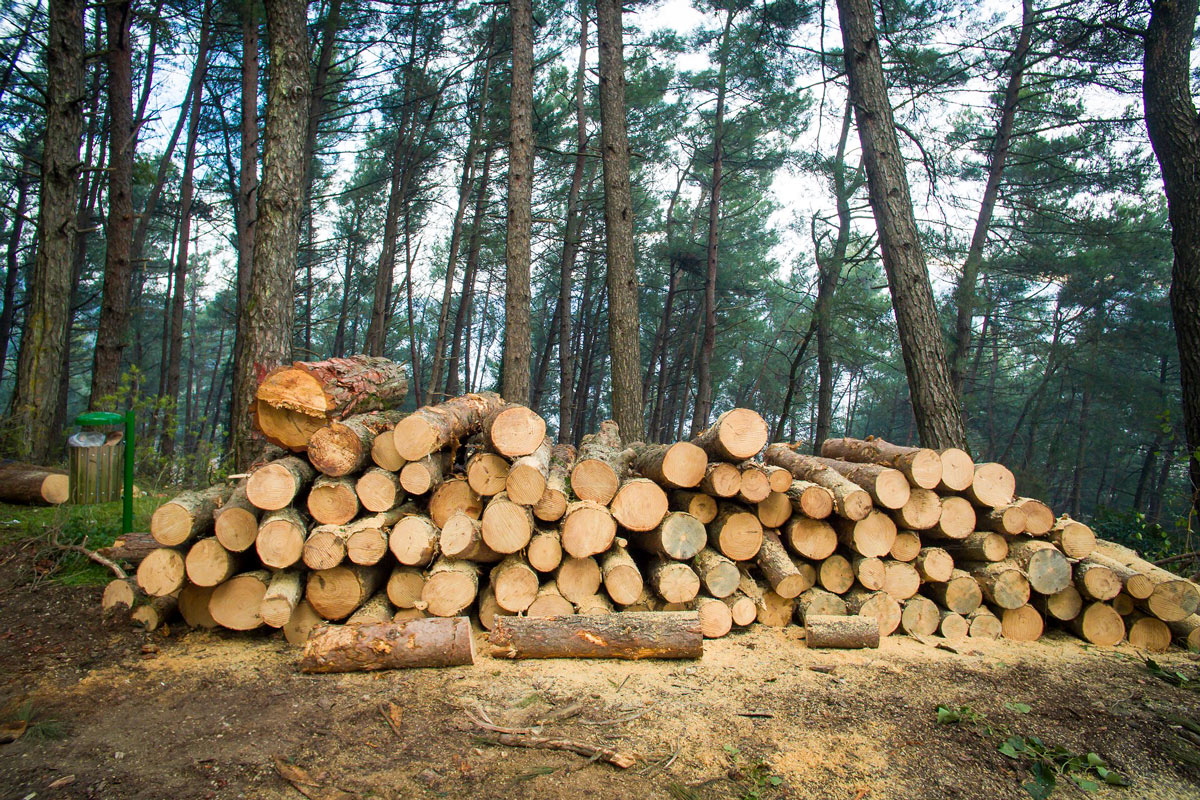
(95, 462)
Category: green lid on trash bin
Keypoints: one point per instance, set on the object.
(92, 418)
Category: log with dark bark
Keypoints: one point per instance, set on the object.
(433, 428)
(630, 635)
(921, 466)
(430, 642)
(130, 547)
(850, 501)
(26, 484)
(343, 447)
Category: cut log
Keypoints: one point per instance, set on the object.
(450, 587)
(237, 603)
(755, 485)
(921, 467)
(208, 563)
(545, 550)
(777, 567)
(424, 474)
(888, 487)
(1100, 625)
(736, 435)
(716, 620)
(920, 616)
(622, 578)
(301, 624)
(870, 572)
(735, 532)
(452, 497)
(549, 603)
(1187, 632)
(462, 537)
(628, 635)
(872, 535)
(577, 578)
(906, 547)
(958, 470)
(27, 484)
(900, 580)
(673, 581)
(1137, 583)
(274, 486)
(775, 511)
(809, 499)
(679, 536)
(773, 610)
(1046, 568)
(332, 501)
(1022, 624)
(1148, 633)
(118, 598)
(325, 547)
(514, 582)
(701, 506)
(336, 593)
(281, 536)
(152, 615)
(377, 609)
(1002, 583)
(1063, 606)
(639, 504)
(236, 522)
(952, 625)
(1009, 519)
(596, 604)
(588, 528)
(384, 453)
(934, 564)
(373, 646)
(553, 502)
(676, 466)
(779, 478)
(1123, 604)
(162, 572)
(367, 537)
(188, 515)
(957, 520)
(414, 541)
(1075, 539)
(433, 428)
(922, 511)
(979, 546)
(813, 539)
(405, 586)
(599, 466)
(293, 402)
(841, 632)
(718, 575)
(879, 605)
(849, 500)
(1096, 582)
(526, 480)
(818, 602)
(984, 624)
(992, 486)
(513, 430)
(1172, 600)
(1039, 519)
(960, 594)
(487, 473)
(343, 447)
(741, 609)
(721, 479)
(836, 574)
(283, 595)
(193, 606)
(130, 547)
(489, 609)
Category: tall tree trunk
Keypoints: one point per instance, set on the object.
(1174, 128)
(624, 346)
(704, 391)
(269, 309)
(939, 420)
(517, 338)
(12, 261)
(39, 363)
(461, 337)
(118, 235)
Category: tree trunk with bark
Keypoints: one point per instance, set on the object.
(517, 345)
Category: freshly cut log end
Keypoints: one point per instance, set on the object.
(1023, 624)
(979, 546)
(28, 484)
(673, 581)
(736, 533)
(1002, 583)
(236, 523)
(958, 470)
(701, 506)
(952, 625)
(404, 587)
(813, 539)
(553, 503)
(487, 473)
(741, 609)
(836, 574)
(237, 603)
(1096, 582)
(1075, 539)
(1039, 519)
(1148, 633)
(281, 537)
(119, 596)
(906, 547)
(873, 535)
(984, 624)
(431, 642)
(162, 572)
(923, 468)
(901, 581)
(301, 623)
(849, 500)
(578, 578)
(719, 576)
(545, 550)
(880, 605)
(921, 512)
(818, 602)
(193, 606)
(716, 620)
(622, 578)
(152, 615)
(960, 594)
(755, 486)
(1063, 606)
(1047, 569)
(920, 616)
(325, 547)
(1123, 604)
(451, 587)
(596, 604)
(379, 490)
(186, 516)
(454, 496)
(283, 596)
(737, 435)
(284, 427)
(508, 527)
(433, 428)
(957, 520)
(514, 584)
(679, 536)
(935, 565)
(462, 537)
(870, 572)
(274, 486)
(841, 632)
(1173, 600)
(779, 478)
(600, 465)
(678, 466)
(333, 501)
(639, 504)
(384, 453)
(526, 481)
(993, 485)
(414, 541)
(549, 603)
(809, 499)
(721, 479)
(629, 635)
(336, 593)
(1187, 632)
(343, 447)
(588, 528)
(422, 475)
(1009, 519)
(208, 563)
(775, 510)
(774, 611)
(888, 487)
(489, 609)
(514, 430)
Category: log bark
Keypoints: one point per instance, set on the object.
(1187, 631)
(849, 500)
(276, 485)
(735, 436)
(855, 632)
(599, 466)
(26, 484)
(778, 569)
(344, 447)
(629, 635)
(431, 642)
(888, 487)
(921, 466)
(377, 609)
(553, 502)
(130, 547)
(189, 514)
(433, 428)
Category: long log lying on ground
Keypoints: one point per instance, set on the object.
(922, 467)
(849, 500)
(432, 428)
(629, 635)
(841, 632)
(429, 642)
(735, 436)
(27, 484)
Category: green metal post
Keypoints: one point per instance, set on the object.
(127, 493)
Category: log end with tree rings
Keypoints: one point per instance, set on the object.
(588, 529)
(775, 510)
(550, 603)
(716, 619)
(1063, 606)
(721, 479)
(1075, 539)
(906, 547)
(925, 468)
(639, 504)
(333, 501)
(273, 486)
(952, 625)
(921, 512)
(452, 497)
(813, 539)
(515, 430)
(1100, 625)
(683, 465)
(414, 437)
(285, 427)
(487, 473)
(754, 486)
(384, 453)
(237, 603)
(958, 469)
(280, 541)
(1022, 624)
(984, 624)
(193, 606)
(1039, 519)
(414, 540)
(736, 534)
(1148, 633)
(920, 616)
(993, 485)
(161, 573)
(594, 480)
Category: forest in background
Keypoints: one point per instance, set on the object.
(1051, 265)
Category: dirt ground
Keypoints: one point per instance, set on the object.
(190, 714)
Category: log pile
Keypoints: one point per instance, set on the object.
(468, 508)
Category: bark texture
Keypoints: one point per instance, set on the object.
(517, 341)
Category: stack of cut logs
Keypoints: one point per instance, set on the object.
(468, 507)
